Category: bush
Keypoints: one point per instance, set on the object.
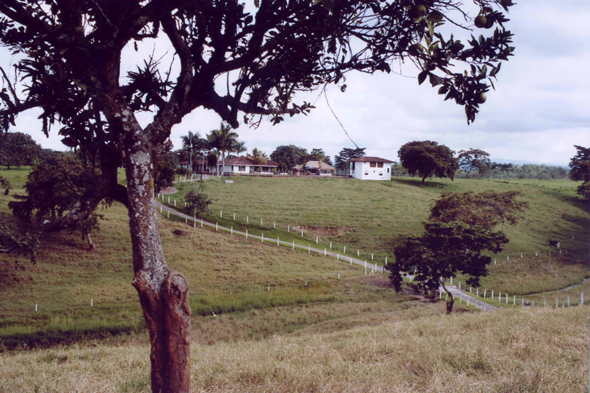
(196, 200)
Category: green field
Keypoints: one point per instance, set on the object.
(227, 275)
(375, 216)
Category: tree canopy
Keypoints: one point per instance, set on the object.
(427, 159)
(240, 61)
(346, 154)
(461, 227)
(473, 160)
(18, 149)
(288, 156)
(580, 164)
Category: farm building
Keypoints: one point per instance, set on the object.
(245, 166)
(370, 168)
(313, 168)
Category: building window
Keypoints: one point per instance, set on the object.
(242, 168)
(373, 165)
(387, 170)
(379, 165)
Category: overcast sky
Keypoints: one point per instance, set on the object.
(540, 109)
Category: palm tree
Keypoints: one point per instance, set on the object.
(240, 147)
(191, 142)
(258, 157)
(224, 140)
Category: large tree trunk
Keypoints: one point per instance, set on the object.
(163, 292)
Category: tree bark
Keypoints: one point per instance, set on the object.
(163, 292)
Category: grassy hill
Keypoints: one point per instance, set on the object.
(269, 290)
(524, 350)
(375, 216)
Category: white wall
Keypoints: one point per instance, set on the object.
(364, 171)
(235, 169)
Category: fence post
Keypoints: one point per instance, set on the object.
(371, 256)
(194, 221)
(232, 229)
(317, 240)
(262, 237)
(358, 252)
(386, 260)
(506, 298)
(568, 301)
(234, 216)
(330, 245)
(476, 291)
(308, 248)
(492, 294)
(289, 228)
(302, 233)
(351, 260)
(556, 302)
(261, 222)
(278, 241)
(324, 252)
(160, 208)
(185, 219)
(246, 233)
(495, 261)
(168, 213)
(514, 301)
(221, 214)
(338, 257)
(274, 224)
(344, 250)
(216, 226)
(293, 244)
(582, 299)
(201, 223)
(91, 302)
(247, 220)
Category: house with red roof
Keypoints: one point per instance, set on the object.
(370, 168)
(245, 166)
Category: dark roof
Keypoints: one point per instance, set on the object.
(247, 161)
(238, 161)
(370, 159)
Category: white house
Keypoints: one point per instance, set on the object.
(370, 168)
(245, 166)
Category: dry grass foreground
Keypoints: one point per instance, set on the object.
(523, 350)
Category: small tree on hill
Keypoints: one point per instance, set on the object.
(197, 202)
(444, 250)
(474, 160)
(427, 159)
(18, 149)
(54, 187)
(460, 229)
